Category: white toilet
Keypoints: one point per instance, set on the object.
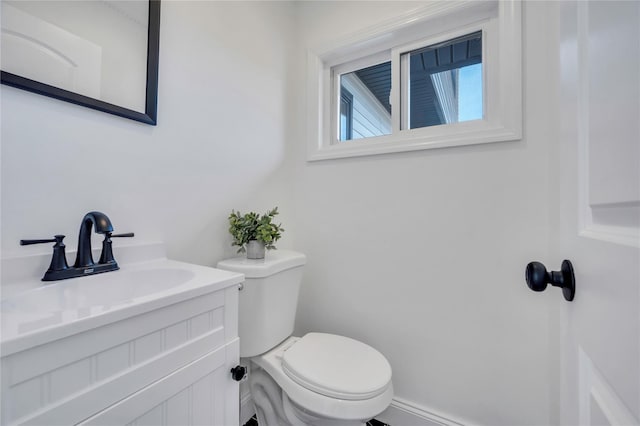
(318, 379)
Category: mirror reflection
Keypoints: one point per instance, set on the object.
(94, 48)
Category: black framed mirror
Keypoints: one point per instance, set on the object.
(88, 53)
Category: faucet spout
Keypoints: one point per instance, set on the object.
(102, 225)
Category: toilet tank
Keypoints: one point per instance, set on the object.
(268, 299)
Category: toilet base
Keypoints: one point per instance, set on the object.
(274, 408)
(306, 418)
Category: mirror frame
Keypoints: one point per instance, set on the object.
(149, 116)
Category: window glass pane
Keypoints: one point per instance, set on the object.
(364, 102)
(445, 82)
(346, 114)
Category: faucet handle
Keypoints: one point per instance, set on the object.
(107, 252)
(51, 240)
(128, 234)
(59, 258)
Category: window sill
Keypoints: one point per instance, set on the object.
(451, 135)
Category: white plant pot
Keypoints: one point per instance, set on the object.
(255, 249)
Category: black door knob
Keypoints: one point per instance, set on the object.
(238, 372)
(537, 278)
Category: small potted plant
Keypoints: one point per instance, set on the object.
(254, 233)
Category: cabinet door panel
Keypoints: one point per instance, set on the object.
(196, 394)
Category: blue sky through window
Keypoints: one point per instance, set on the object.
(470, 93)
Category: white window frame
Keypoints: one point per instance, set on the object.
(500, 23)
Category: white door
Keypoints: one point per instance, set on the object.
(596, 211)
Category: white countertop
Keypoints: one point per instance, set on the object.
(44, 312)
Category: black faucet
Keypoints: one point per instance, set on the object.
(84, 265)
(102, 225)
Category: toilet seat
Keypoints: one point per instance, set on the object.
(337, 367)
(311, 401)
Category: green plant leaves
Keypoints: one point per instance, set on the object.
(252, 226)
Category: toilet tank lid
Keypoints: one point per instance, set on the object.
(274, 261)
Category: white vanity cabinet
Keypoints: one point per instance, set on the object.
(159, 360)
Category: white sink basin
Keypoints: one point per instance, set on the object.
(97, 291)
(51, 310)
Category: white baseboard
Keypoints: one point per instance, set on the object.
(405, 413)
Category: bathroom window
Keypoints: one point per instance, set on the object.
(419, 83)
(442, 83)
(365, 92)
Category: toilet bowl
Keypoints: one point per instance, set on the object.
(318, 379)
(327, 377)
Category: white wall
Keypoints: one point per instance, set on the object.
(419, 254)
(422, 254)
(221, 141)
